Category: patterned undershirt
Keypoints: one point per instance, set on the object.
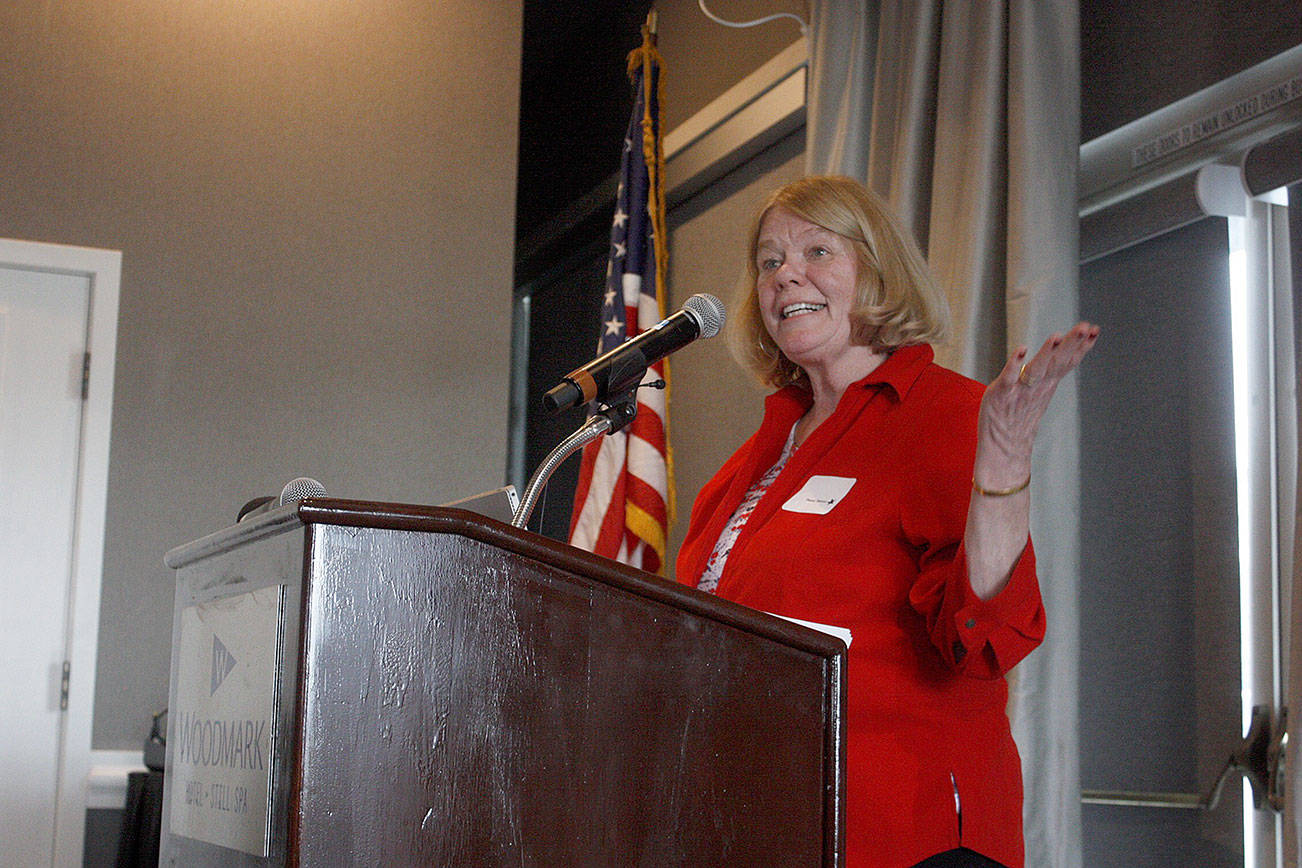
(714, 566)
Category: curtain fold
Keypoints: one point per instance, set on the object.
(964, 115)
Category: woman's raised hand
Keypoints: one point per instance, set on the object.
(1016, 401)
(998, 516)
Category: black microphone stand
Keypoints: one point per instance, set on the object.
(608, 419)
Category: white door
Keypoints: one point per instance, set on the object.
(49, 522)
(42, 345)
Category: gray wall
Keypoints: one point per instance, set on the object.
(703, 59)
(716, 404)
(314, 202)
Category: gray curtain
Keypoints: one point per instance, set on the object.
(964, 115)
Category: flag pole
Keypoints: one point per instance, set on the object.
(624, 499)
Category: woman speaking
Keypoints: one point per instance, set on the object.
(889, 495)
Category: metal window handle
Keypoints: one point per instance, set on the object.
(1259, 758)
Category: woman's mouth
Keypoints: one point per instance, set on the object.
(800, 307)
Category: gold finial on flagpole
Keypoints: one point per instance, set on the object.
(652, 22)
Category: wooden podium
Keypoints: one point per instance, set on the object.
(378, 684)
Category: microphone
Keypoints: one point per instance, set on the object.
(300, 487)
(622, 368)
(294, 491)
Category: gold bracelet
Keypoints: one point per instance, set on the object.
(988, 492)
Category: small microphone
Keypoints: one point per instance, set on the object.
(299, 488)
(619, 370)
(294, 491)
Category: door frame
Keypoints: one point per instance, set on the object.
(1186, 161)
(103, 270)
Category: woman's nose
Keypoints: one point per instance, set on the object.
(788, 273)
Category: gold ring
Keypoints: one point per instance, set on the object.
(1021, 376)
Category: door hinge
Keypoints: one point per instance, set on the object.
(63, 686)
(85, 376)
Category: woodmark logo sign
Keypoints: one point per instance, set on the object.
(223, 661)
(229, 744)
(223, 734)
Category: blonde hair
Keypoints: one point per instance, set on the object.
(898, 302)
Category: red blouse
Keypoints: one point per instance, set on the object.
(930, 756)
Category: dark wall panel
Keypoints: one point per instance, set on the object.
(1137, 57)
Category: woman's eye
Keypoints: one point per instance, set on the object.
(818, 252)
(769, 264)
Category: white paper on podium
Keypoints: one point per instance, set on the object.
(842, 633)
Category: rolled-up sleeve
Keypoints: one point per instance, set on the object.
(981, 638)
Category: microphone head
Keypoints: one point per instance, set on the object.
(297, 489)
(707, 312)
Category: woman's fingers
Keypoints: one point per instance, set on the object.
(1019, 397)
(1060, 355)
(1014, 368)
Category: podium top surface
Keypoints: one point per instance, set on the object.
(457, 522)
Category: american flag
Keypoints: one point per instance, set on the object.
(623, 502)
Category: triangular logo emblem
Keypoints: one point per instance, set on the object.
(223, 661)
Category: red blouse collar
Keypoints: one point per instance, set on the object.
(899, 372)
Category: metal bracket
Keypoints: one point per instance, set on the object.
(1277, 779)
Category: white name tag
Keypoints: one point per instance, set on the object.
(819, 494)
